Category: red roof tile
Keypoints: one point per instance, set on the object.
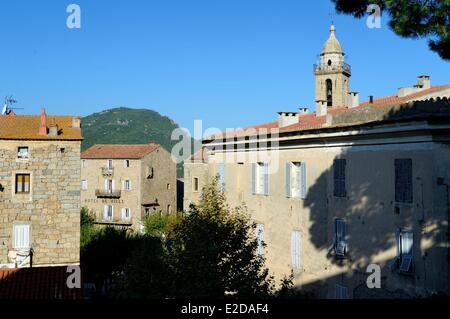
(26, 127)
(311, 121)
(119, 151)
(37, 283)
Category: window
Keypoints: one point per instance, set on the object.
(168, 186)
(126, 163)
(126, 213)
(127, 185)
(221, 171)
(195, 184)
(109, 185)
(84, 184)
(296, 179)
(339, 166)
(149, 172)
(22, 236)
(260, 239)
(403, 180)
(110, 164)
(260, 178)
(169, 209)
(296, 250)
(22, 183)
(340, 238)
(22, 152)
(108, 213)
(404, 258)
(83, 164)
(341, 292)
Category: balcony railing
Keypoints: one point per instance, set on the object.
(107, 172)
(107, 193)
(325, 68)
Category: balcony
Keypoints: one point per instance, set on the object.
(107, 172)
(325, 68)
(101, 193)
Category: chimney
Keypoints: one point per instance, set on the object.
(76, 122)
(287, 118)
(423, 82)
(303, 110)
(53, 128)
(353, 99)
(321, 108)
(43, 127)
(371, 99)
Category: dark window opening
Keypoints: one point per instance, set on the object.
(329, 92)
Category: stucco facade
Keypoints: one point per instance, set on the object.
(372, 189)
(140, 184)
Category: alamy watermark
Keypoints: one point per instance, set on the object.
(74, 19)
(374, 19)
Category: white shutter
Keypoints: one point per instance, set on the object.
(113, 186)
(21, 236)
(254, 178)
(260, 238)
(106, 185)
(105, 212)
(303, 185)
(288, 179)
(296, 249)
(266, 179)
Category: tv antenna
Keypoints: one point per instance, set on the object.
(7, 107)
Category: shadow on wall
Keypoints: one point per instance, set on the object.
(373, 216)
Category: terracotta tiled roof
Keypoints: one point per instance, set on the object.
(37, 283)
(111, 151)
(26, 127)
(311, 121)
(200, 155)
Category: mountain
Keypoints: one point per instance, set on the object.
(128, 126)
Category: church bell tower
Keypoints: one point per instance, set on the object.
(332, 74)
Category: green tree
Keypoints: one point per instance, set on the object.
(160, 224)
(103, 258)
(87, 228)
(213, 252)
(411, 19)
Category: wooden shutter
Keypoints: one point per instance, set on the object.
(303, 181)
(339, 166)
(403, 180)
(288, 179)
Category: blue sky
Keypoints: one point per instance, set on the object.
(229, 63)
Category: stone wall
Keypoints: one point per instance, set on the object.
(53, 206)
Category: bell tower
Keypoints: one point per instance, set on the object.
(332, 74)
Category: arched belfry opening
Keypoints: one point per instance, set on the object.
(332, 74)
(329, 92)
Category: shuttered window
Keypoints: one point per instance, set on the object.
(340, 242)
(339, 166)
(84, 184)
(126, 185)
(260, 239)
(403, 180)
(22, 183)
(296, 185)
(296, 249)
(341, 292)
(221, 171)
(126, 213)
(108, 212)
(260, 178)
(22, 236)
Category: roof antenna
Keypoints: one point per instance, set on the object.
(7, 107)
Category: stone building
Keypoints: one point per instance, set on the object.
(39, 190)
(350, 185)
(124, 183)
